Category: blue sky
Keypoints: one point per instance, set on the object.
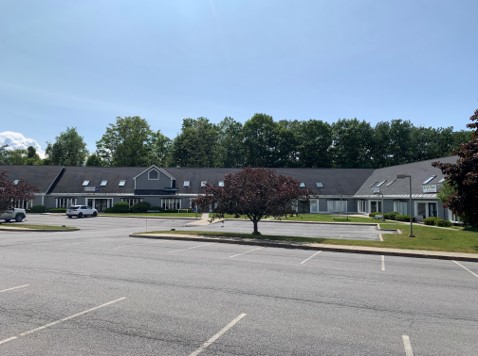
(83, 63)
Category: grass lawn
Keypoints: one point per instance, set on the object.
(20, 226)
(154, 215)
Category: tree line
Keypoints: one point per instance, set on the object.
(259, 142)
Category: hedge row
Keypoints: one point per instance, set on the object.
(392, 216)
(437, 222)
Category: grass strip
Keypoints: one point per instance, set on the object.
(426, 238)
(36, 227)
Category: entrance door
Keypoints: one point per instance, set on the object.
(432, 209)
(427, 209)
(100, 204)
(375, 206)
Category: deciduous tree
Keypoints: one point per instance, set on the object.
(11, 191)
(260, 141)
(196, 145)
(352, 144)
(462, 177)
(69, 149)
(127, 143)
(254, 192)
(230, 146)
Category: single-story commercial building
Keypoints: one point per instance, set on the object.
(334, 190)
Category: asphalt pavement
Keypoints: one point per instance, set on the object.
(98, 291)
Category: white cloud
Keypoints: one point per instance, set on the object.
(16, 141)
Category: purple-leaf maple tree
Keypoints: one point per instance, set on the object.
(11, 191)
(462, 177)
(254, 192)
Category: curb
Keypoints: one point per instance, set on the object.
(466, 257)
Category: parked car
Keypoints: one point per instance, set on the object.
(81, 211)
(16, 214)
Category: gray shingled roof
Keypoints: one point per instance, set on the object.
(399, 188)
(41, 177)
(335, 181)
(73, 178)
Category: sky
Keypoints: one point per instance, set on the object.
(82, 64)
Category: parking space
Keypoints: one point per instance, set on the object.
(102, 292)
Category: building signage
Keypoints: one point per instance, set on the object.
(430, 188)
(90, 189)
(375, 190)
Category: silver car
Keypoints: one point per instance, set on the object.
(16, 214)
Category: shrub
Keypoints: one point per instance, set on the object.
(443, 223)
(372, 215)
(120, 207)
(401, 217)
(141, 207)
(430, 221)
(38, 209)
(391, 215)
(57, 210)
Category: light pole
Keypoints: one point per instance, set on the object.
(402, 176)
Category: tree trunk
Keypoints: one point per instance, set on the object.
(256, 229)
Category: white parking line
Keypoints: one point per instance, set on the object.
(17, 287)
(248, 251)
(466, 269)
(192, 248)
(78, 243)
(60, 321)
(383, 263)
(408, 346)
(315, 254)
(218, 335)
(148, 243)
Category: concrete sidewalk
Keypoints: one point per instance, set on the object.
(456, 256)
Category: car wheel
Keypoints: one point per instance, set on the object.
(19, 218)
(80, 215)
(69, 216)
(95, 213)
(7, 220)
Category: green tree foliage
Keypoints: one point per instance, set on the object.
(69, 149)
(462, 176)
(261, 141)
(127, 143)
(352, 144)
(11, 191)
(20, 157)
(94, 160)
(160, 154)
(313, 139)
(428, 143)
(33, 159)
(230, 148)
(254, 192)
(400, 142)
(196, 145)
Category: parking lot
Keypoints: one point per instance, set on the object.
(98, 291)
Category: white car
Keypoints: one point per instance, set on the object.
(81, 211)
(16, 214)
